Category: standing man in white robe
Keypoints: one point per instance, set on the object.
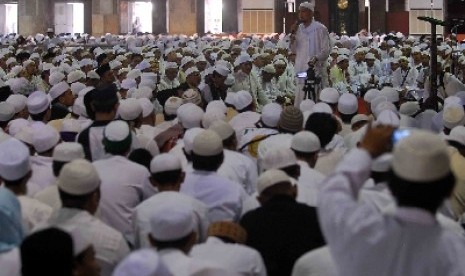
(310, 41)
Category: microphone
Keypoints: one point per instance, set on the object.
(296, 23)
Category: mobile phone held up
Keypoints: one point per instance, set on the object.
(400, 134)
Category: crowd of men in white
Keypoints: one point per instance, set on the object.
(177, 155)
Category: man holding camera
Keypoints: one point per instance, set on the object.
(310, 41)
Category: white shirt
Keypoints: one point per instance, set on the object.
(50, 196)
(242, 121)
(399, 75)
(179, 264)
(317, 262)
(410, 242)
(308, 184)
(143, 212)
(109, 244)
(10, 263)
(42, 174)
(241, 169)
(33, 212)
(125, 185)
(223, 197)
(235, 257)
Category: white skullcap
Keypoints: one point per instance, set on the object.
(58, 89)
(14, 160)
(421, 157)
(211, 116)
(305, 141)
(56, 77)
(230, 98)
(7, 111)
(147, 107)
(217, 104)
(242, 59)
(322, 108)
(390, 93)
(230, 80)
(45, 138)
(186, 60)
(171, 221)
(129, 109)
(10, 61)
(377, 100)
(222, 70)
(370, 56)
(37, 102)
(452, 100)
(271, 178)
(192, 96)
(128, 84)
(78, 177)
(382, 163)
(190, 115)
(77, 87)
(165, 162)
(116, 131)
(329, 95)
(172, 105)
(222, 128)
(409, 108)
(243, 99)
(269, 69)
(17, 101)
(341, 58)
(68, 151)
(359, 118)
(388, 117)
(93, 75)
(279, 158)
(115, 64)
(16, 125)
(347, 104)
(307, 5)
(306, 105)
(171, 65)
(25, 135)
(85, 62)
(457, 134)
(75, 76)
(384, 106)
(271, 114)
(143, 65)
(189, 137)
(70, 125)
(453, 116)
(142, 92)
(191, 71)
(143, 262)
(147, 143)
(207, 143)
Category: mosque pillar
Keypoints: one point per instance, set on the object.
(159, 17)
(35, 16)
(105, 18)
(87, 16)
(230, 16)
(377, 16)
(200, 10)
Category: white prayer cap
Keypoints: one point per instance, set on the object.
(452, 100)
(322, 108)
(279, 158)
(453, 116)
(306, 105)
(383, 106)
(70, 125)
(129, 109)
(390, 93)
(388, 117)
(68, 151)
(457, 134)
(15, 126)
(409, 108)
(230, 80)
(78, 177)
(191, 71)
(190, 115)
(45, 138)
(270, 178)
(116, 131)
(58, 89)
(56, 77)
(77, 87)
(165, 162)
(115, 64)
(271, 114)
(189, 137)
(222, 70)
(7, 111)
(85, 62)
(382, 163)
(329, 95)
(10, 60)
(143, 262)
(192, 96)
(347, 104)
(19, 85)
(147, 107)
(37, 102)
(305, 141)
(307, 5)
(207, 143)
(370, 56)
(172, 105)
(243, 99)
(211, 116)
(171, 221)
(230, 99)
(217, 104)
(222, 128)
(269, 69)
(25, 135)
(377, 100)
(359, 118)
(142, 65)
(421, 157)
(14, 160)
(93, 75)
(128, 84)
(242, 59)
(171, 65)
(147, 143)
(341, 58)
(186, 60)
(76, 76)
